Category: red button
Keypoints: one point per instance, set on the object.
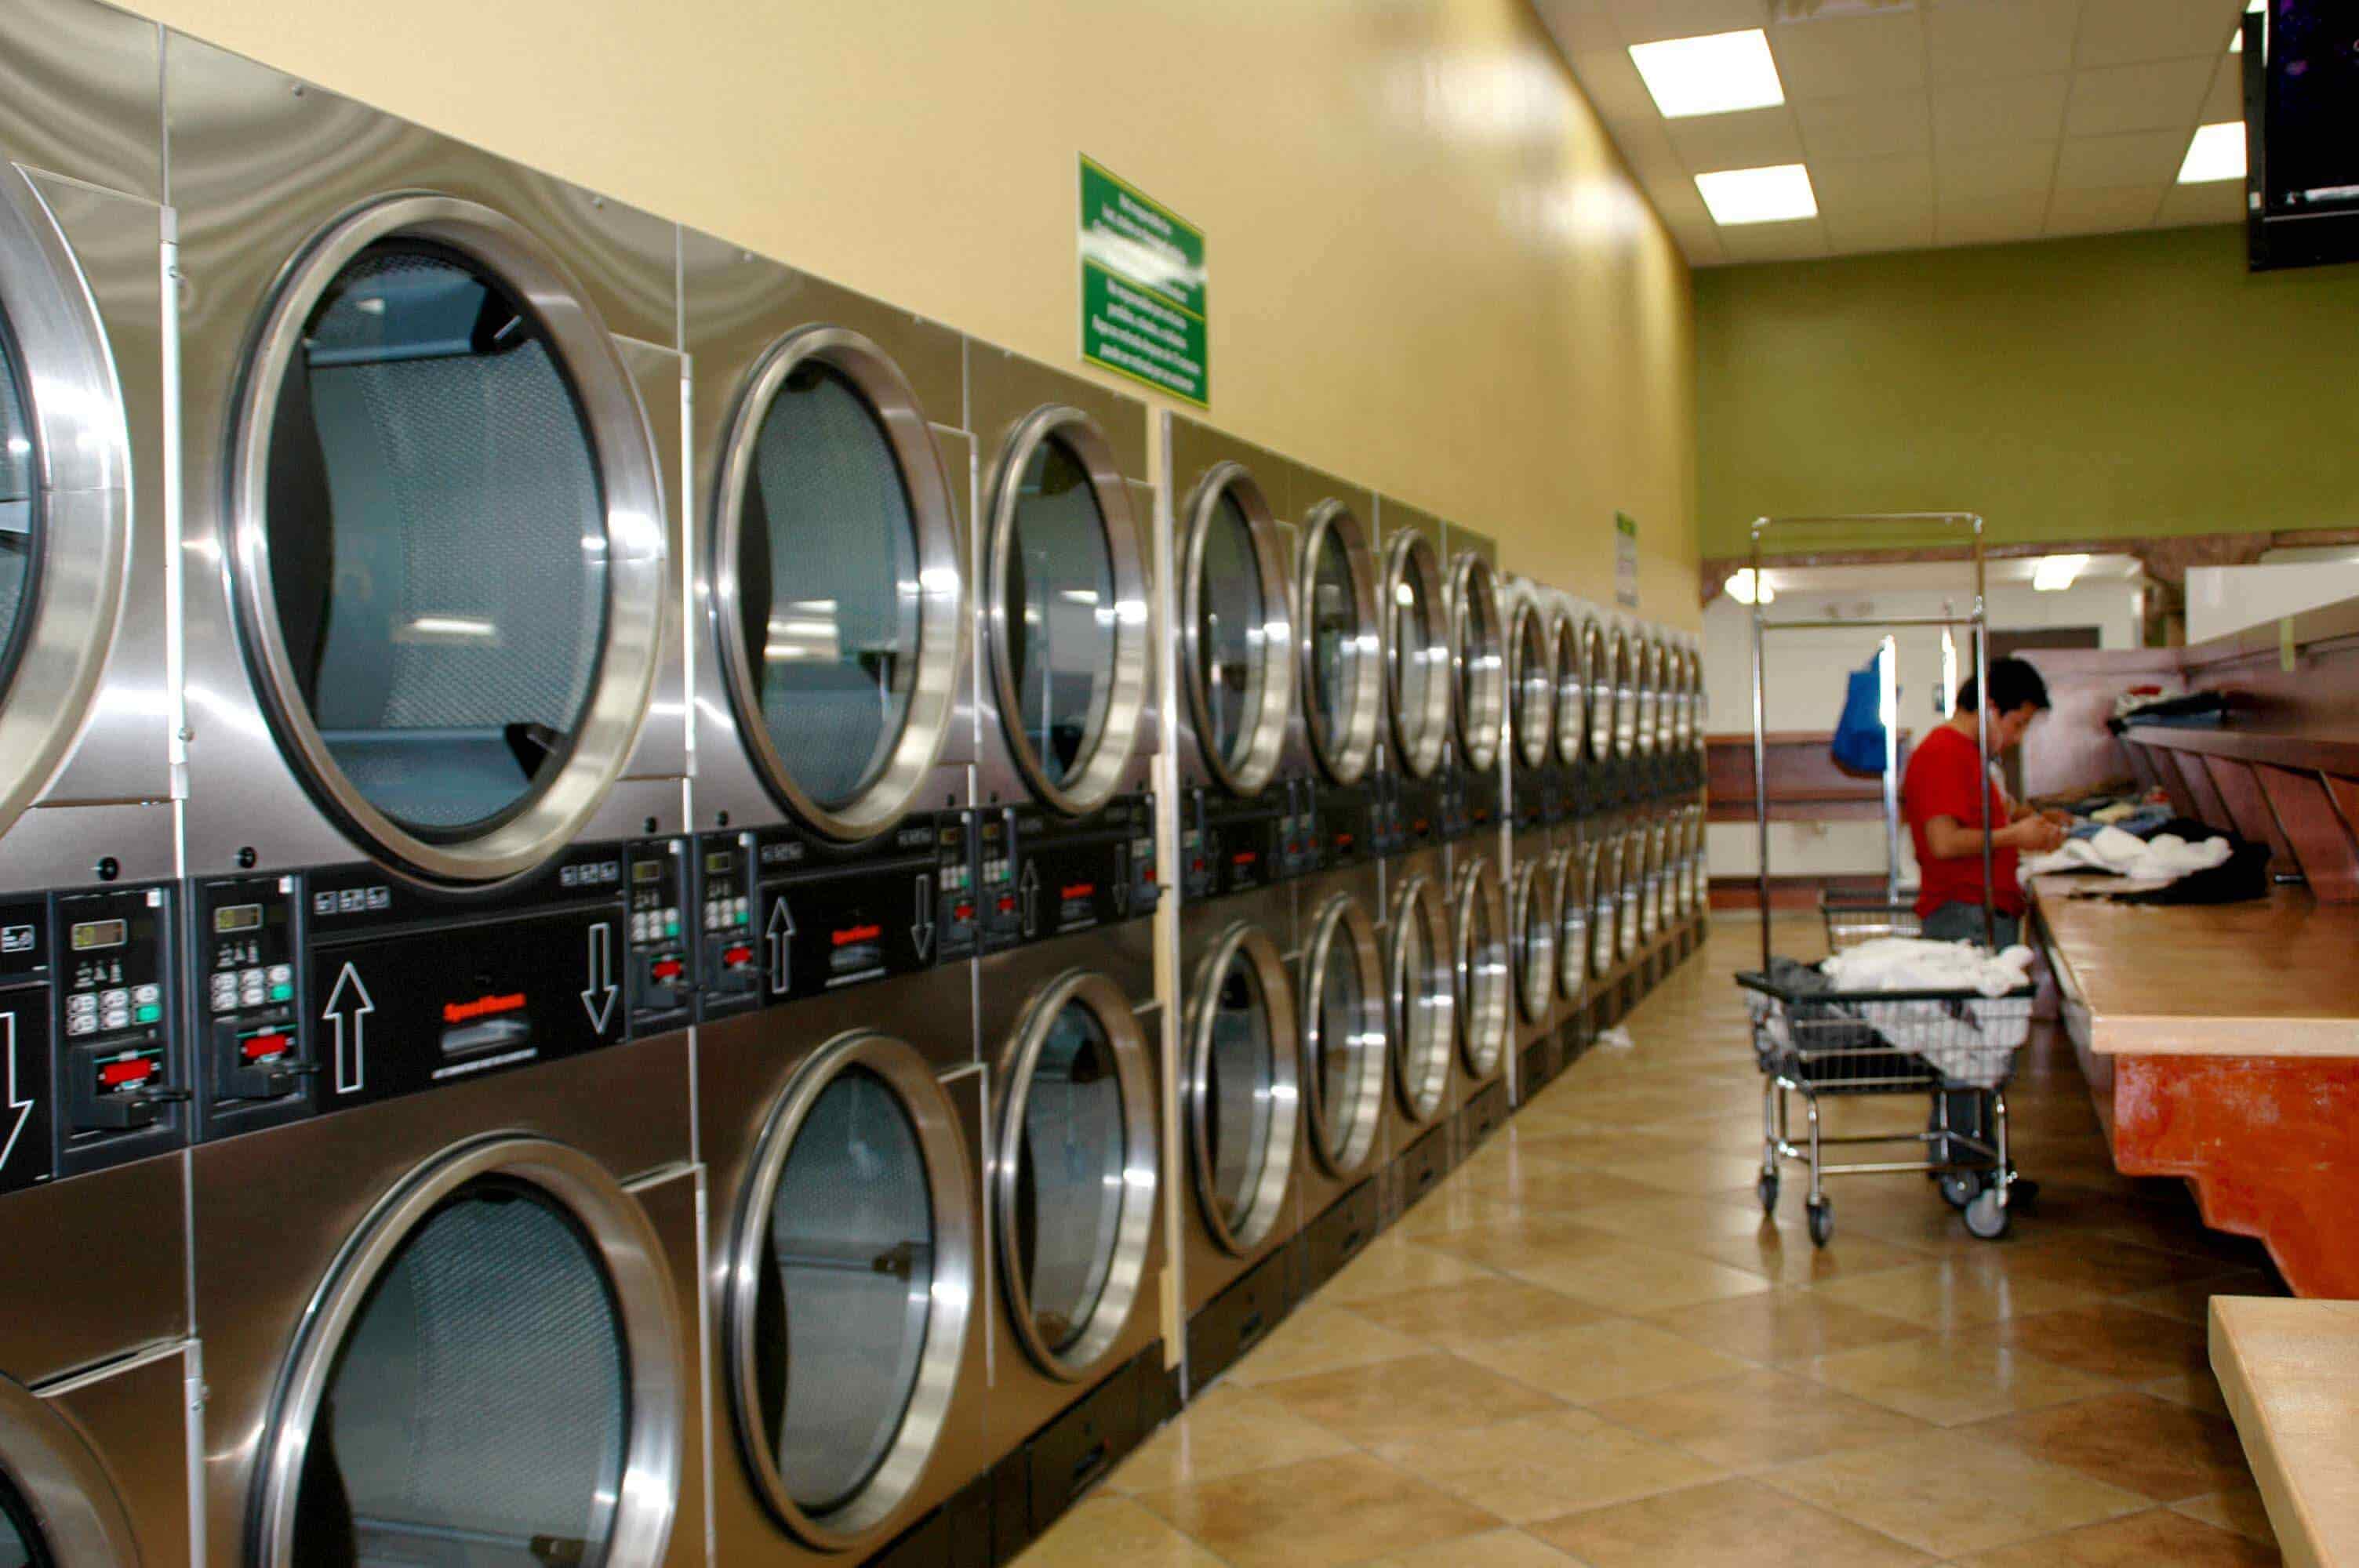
(737, 957)
(963, 911)
(257, 1046)
(1006, 905)
(114, 1075)
(666, 969)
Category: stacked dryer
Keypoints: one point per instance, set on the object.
(1481, 870)
(1536, 783)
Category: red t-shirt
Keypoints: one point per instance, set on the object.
(1940, 781)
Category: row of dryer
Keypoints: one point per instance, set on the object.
(585, 968)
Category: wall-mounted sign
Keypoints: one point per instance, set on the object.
(1625, 560)
(1143, 289)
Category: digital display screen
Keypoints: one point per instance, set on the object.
(720, 863)
(237, 917)
(91, 936)
(2312, 106)
(646, 871)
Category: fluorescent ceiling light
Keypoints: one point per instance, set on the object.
(1777, 194)
(1741, 588)
(2054, 574)
(2216, 153)
(1715, 74)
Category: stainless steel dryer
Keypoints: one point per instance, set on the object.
(1576, 901)
(1607, 969)
(1478, 675)
(1535, 905)
(1339, 622)
(1484, 969)
(1418, 745)
(1076, 1257)
(1479, 863)
(1569, 724)
(834, 677)
(1421, 1001)
(1533, 779)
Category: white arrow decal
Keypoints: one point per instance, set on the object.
(1031, 888)
(598, 999)
(921, 931)
(351, 1043)
(780, 933)
(1121, 878)
(23, 1108)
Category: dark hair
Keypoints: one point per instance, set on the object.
(2012, 681)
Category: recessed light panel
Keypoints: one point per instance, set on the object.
(2216, 153)
(2054, 574)
(1716, 74)
(1779, 194)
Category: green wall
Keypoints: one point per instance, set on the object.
(2124, 385)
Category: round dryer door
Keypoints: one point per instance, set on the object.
(1605, 909)
(1480, 964)
(1649, 881)
(65, 518)
(1669, 695)
(1424, 997)
(58, 1504)
(1239, 643)
(1684, 685)
(1533, 686)
(1067, 601)
(1535, 927)
(496, 1373)
(1343, 672)
(1076, 1183)
(1244, 1087)
(1578, 866)
(840, 577)
(1570, 658)
(1344, 1044)
(1645, 657)
(1630, 931)
(1626, 659)
(1417, 652)
(1477, 663)
(1598, 660)
(447, 538)
(851, 1271)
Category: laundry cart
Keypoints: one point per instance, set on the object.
(1816, 1041)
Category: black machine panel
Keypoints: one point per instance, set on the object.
(1352, 827)
(88, 1058)
(1041, 876)
(1233, 845)
(317, 991)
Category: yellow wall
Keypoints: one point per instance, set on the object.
(1430, 272)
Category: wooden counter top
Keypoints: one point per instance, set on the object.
(2290, 1373)
(2277, 978)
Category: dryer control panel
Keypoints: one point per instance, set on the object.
(1354, 825)
(315, 991)
(1039, 875)
(1236, 846)
(88, 1054)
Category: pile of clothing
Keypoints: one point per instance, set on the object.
(2164, 858)
(1968, 1036)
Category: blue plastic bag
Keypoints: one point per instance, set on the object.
(1859, 733)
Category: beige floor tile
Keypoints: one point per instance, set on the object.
(1390, 1266)
(1612, 1358)
(1453, 1316)
(2189, 1301)
(2160, 1539)
(1105, 1530)
(2161, 1451)
(1786, 1256)
(1391, 1400)
(1319, 1337)
(1784, 1326)
(1725, 1524)
(2109, 1339)
(1532, 1238)
(1224, 1431)
(1699, 1171)
(1937, 1378)
(1954, 1292)
(1546, 1465)
(1952, 1492)
(1321, 1512)
(2241, 1510)
(1760, 1419)
(2196, 1391)
(1622, 1276)
(2101, 1263)
(1498, 1549)
(1462, 1205)
(1552, 1186)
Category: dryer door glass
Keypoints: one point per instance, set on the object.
(438, 538)
(1573, 930)
(1418, 656)
(1346, 1056)
(1070, 1177)
(1427, 1010)
(1335, 644)
(1060, 608)
(18, 521)
(1483, 1001)
(1534, 692)
(1240, 1087)
(1230, 629)
(1536, 961)
(20, 1537)
(846, 1287)
(827, 584)
(478, 1410)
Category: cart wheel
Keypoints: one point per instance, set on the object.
(1985, 1217)
(1822, 1222)
(1959, 1187)
(1765, 1189)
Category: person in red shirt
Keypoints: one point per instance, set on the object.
(1947, 800)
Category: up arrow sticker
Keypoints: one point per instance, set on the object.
(779, 935)
(598, 997)
(1031, 888)
(348, 1009)
(21, 1105)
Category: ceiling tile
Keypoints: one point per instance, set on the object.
(1678, 200)
(2093, 163)
(1774, 241)
(1879, 230)
(2214, 201)
(1856, 185)
(1614, 89)
(1647, 147)
(2226, 99)
(2105, 210)
(2164, 94)
(1991, 219)
(1974, 174)
(1747, 139)
(1972, 39)
(1580, 26)
(1837, 57)
(2117, 32)
(1645, 21)
(1861, 127)
(2008, 109)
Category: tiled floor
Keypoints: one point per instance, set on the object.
(1588, 1348)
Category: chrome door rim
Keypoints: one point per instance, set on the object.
(1273, 679)
(872, 1513)
(1274, 1184)
(82, 453)
(1628, 928)
(1622, 650)
(630, 1255)
(1597, 660)
(1573, 895)
(1478, 677)
(1650, 882)
(1535, 742)
(1531, 885)
(1483, 1010)
(82, 1520)
(1570, 659)
(944, 600)
(1647, 679)
(1666, 695)
(1343, 920)
(1110, 1314)
(1684, 717)
(1412, 552)
(1420, 899)
(1101, 774)
(1605, 909)
(1344, 758)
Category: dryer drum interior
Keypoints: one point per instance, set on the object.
(449, 538)
(1245, 1088)
(841, 576)
(1342, 674)
(493, 1376)
(1576, 866)
(1424, 999)
(58, 1504)
(1484, 969)
(1240, 646)
(1417, 652)
(849, 1287)
(1344, 1035)
(1078, 1179)
(1477, 660)
(1534, 689)
(1536, 939)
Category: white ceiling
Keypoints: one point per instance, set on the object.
(1929, 122)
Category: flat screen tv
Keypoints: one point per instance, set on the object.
(2302, 129)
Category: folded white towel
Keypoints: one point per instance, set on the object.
(2164, 858)
(1910, 963)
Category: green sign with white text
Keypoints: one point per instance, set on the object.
(1142, 289)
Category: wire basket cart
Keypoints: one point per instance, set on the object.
(1956, 1048)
